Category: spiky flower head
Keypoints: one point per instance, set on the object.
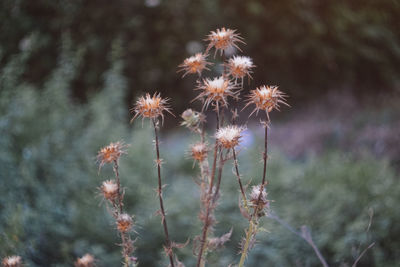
(240, 66)
(223, 39)
(109, 189)
(266, 98)
(229, 136)
(254, 195)
(87, 260)
(111, 153)
(151, 106)
(194, 64)
(216, 91)
(199, 152)
(124, 222)
(12, 261)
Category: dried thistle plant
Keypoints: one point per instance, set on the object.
(264, 98)
(216, 91)
(112, 193)
(153, 108)
(223, 39)
(12, 261)
(239, 67)
(194, 64)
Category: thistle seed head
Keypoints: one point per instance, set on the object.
(229, 136)
(255, 193)
(223, 39)
(240, 66)
(266, 98)
(109, 189)
(111, 153)
(199, 152)
(194, 64)
(12, 261)
(216, 91)
(150, 106)
(87, 260)
(124, 223)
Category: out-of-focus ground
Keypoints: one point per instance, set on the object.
(341, 121)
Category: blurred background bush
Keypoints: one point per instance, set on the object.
(71, 69)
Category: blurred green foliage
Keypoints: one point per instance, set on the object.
(306, 46)
(50, 211)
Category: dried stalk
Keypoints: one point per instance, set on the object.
(203, 241)
(159, 193)
(253, 219)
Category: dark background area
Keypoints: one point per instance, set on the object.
(307, 47)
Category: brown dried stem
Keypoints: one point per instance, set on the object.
(209, 201)
(159, 193)
(253, 219)
(127, 248)
(235, 162)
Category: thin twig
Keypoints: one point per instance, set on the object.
(159, 193)
(362, 254)
(235, 162)
(304, 234)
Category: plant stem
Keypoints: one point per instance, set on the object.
(249, 233)
(164, 219)
(119, 212)
(253, 218)
(203, 240)
(239, 180)
(115, 168)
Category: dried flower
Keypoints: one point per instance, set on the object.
(194, 64)
(12, 261)
(124, 223)
(216, 90)
(109, 189)
(199, 151)
(266, 98)
(150, 107)
(229, 136)
(255, 193)
(86, 261)
(111, 153)
(223, 39)
(240, 66)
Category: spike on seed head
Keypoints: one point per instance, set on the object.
(109, 189)
(216, 91)
(111, 153)
(240, 66)
(194, 64)
(86, 261)
(223, 39)
(12, 261)
(124, 222)
(151, 107)
(266, 98)
(229, 136)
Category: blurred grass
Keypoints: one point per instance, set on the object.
(50, 210)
